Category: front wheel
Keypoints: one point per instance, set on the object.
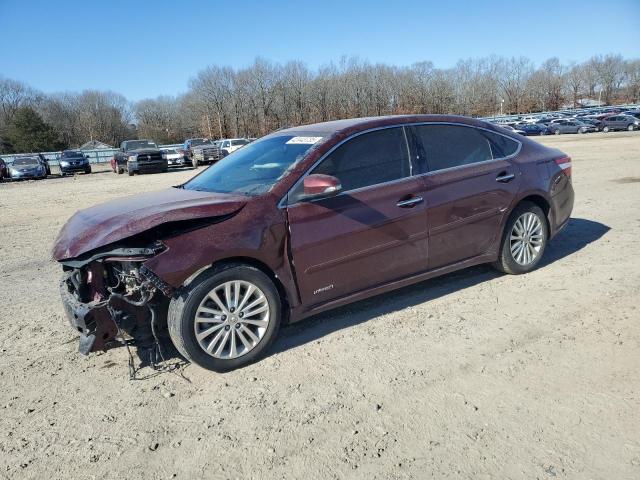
(557, 132)
(226, 319)
(605, 129)
(130, 172)
(630, 128)
(524, 240)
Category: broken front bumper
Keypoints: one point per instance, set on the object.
(92, 320)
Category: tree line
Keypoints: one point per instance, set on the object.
(252, 101)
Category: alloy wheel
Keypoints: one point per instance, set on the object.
(232, 319)
(526, 239)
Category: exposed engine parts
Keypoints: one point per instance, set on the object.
(109, 298)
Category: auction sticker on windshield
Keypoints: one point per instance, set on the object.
(304, 140)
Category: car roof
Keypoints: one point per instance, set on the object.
(353, 125)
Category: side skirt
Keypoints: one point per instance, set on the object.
(301, 312)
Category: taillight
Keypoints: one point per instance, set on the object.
(565, 164)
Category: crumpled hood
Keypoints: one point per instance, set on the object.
(122, 218)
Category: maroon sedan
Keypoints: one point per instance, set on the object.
(305, 220)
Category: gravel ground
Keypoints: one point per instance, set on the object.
(472, 375)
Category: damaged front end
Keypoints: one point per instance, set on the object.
(111, 293)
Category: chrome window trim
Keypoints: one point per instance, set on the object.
(283, 201)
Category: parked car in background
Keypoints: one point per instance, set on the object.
(513, 129)
(307, 219)
(31, 166)
(139, 156)
(190, 144)
(620, 122)
(532, 129)
(591, 121)
(73, 161)
(174, 157)
(230, 145)
(4, 170)
(45, 162)
(207, 153)
(211, 153)
(530, 118)
(558, 127)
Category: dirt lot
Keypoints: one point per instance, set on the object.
(474, 375)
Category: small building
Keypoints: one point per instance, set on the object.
(94, 145)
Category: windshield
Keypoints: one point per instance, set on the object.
(253, 169)
(72, 154)
(170, 151)
(198, 141)
(139, 144)
(238, 142)
(26, 161)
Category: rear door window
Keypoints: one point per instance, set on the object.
(440, 147)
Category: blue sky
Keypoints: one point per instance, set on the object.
(145, 49)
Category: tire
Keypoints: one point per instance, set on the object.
(605, 129)
(183, 310)
(87, 171)
(130, 172)
(557, 132)
(630, 128)
(508, 262)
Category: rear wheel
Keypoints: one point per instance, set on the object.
(226, 319)
(524, 240)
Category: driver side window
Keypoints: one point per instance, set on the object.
(368, 159)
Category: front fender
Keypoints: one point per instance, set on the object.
(258, 232)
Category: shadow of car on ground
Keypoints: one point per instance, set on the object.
(577, 234)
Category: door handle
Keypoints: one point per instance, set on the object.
(409, 202)
(505, 177)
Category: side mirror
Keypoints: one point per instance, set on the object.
(318, 184)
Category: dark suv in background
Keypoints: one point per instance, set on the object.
(4, 170)
(73, 161)
(139, 156)
(620, 122)
(307, 219)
